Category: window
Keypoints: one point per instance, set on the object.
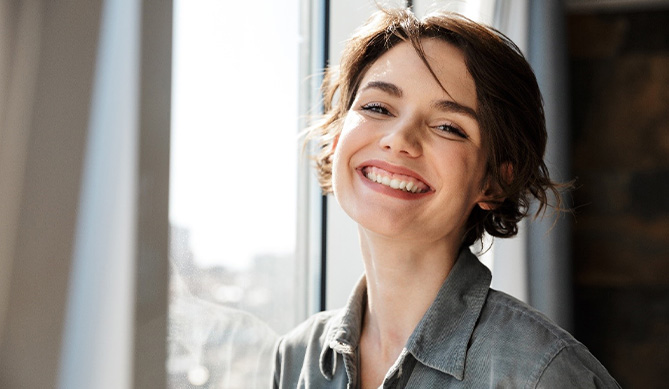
(233, 190)
(244, 206)
(84, 148)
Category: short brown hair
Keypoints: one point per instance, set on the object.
(510, 108)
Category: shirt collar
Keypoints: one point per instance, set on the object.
(441, 337)
(344, 334)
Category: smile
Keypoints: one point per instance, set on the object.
(396, 181)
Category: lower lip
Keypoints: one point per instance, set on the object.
(396, 193)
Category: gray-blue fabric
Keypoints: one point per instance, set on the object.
(470, 337)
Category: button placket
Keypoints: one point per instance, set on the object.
(395, 372)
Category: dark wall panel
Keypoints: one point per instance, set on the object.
(619, 72)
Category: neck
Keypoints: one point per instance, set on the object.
(403, 278)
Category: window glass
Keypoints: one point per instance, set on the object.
(232, 189)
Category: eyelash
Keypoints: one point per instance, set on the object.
(452, 130)
(376, 108)
(447, 128)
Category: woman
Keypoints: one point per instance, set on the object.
(433, 134)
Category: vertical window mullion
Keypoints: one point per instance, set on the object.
(324, 202)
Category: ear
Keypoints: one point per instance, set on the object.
(492, 193)
(489, 204)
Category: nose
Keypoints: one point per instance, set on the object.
(403, 138)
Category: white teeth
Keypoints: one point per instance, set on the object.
(394, 183)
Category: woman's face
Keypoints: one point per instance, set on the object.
(409, 162)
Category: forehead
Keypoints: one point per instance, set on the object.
(402, 66)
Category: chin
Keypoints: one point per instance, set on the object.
(383, 225)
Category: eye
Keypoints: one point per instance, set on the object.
(376, 108)
(451, 129)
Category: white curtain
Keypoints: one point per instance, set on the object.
(84, 143)
(549, 242)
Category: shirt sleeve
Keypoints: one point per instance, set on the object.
(575, 367)
(276, 367)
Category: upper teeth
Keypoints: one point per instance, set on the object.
(407, 186)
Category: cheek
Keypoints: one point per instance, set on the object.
(351, 122)
(462, 169)
(349, 142)
(349, 138)
(339, 163)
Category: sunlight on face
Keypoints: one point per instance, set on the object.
(409, 163)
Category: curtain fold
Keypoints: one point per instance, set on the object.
(549, 244)
(97, 341)
(549, 239)
(48, 60)
(85, 97)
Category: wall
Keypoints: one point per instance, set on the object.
(619, 65)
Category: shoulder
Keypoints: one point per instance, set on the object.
(526, 343)
(301, 348)
(504, 313)
(310, 331)
(574, 367)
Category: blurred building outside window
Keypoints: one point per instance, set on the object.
(232, 190)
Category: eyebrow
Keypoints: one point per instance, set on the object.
(452, 106)
(442, 105)
(387, 87)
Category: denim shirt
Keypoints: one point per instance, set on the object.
(470, 337)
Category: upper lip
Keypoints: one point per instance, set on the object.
(396, 169)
